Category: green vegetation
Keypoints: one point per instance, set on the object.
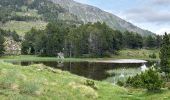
(48, 10)
(93, 40)
(21, 27)
(64, 33)
(165, 54)
(150, 79)
(137, 54)
(21, 16)
(132, 40)
(89, 40)
(153, 55)
(29, 12)
(165, 57)
(14, 10)
(114, 75)
(2, 40)
(37, 58)
(41, 82)
(11, 34)
(74, 42)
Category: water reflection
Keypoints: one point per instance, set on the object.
(96, 71)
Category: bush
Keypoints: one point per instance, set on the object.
(107, 54)
(153, 55)
(167, 85)
(150, 79)
(135, 81)
(90, 83)
(120, 83)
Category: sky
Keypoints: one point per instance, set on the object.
(152, 15)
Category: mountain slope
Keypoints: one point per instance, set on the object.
(22, 15)
(87, 13)
(54, 10)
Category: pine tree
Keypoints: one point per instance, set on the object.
(165, 54)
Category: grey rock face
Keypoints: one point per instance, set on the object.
(87, 13)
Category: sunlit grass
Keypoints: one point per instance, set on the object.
(137, 54)
(41, 82)
(21, 27)
(123, 54)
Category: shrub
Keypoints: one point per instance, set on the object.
(135, 81)
(107, 54)
(90, 83)
(153, 55)
(120, 83)
(150, 79)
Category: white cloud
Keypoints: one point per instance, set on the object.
(148, 15)
(153, 15)
(163, 30)
(161, 2)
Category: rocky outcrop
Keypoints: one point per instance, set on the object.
(12, 47)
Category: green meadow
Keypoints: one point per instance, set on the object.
(21, 27)
(41, 82)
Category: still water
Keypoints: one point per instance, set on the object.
(93, 70)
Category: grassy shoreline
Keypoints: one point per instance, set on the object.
(41, 82)
(37, 58)
(142, 54)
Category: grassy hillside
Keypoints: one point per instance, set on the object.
(21, 27)
(40, 82)
(137, 54)
(29, 12)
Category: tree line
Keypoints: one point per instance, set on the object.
(88, 40)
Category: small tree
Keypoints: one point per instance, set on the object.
(152, 80)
